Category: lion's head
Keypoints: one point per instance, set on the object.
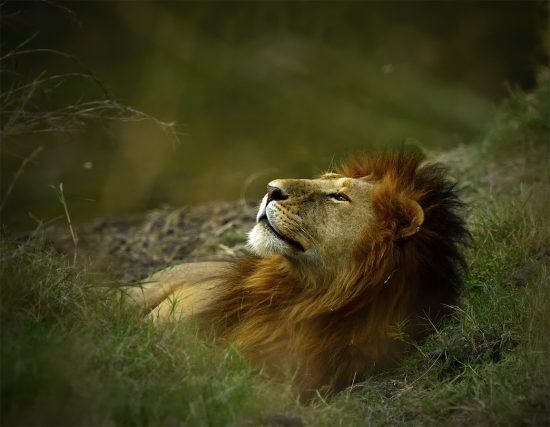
(313, 221)
(321, 222)
(344, 267)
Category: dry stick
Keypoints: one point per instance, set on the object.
(26, 160)
(74, 237)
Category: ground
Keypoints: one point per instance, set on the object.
(131, 249)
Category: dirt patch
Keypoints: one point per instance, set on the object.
(130, 250)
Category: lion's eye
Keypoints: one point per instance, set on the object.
(340, 197)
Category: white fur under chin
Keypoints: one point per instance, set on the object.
(263, 242)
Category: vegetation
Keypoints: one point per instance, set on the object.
(71, 353)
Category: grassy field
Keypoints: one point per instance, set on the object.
(72, 354)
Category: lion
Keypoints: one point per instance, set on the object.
(345, 272)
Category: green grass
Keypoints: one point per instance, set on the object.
(72, 354)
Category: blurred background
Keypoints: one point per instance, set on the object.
(256, 90)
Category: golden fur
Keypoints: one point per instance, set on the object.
(331, 323)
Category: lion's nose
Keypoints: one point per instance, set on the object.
(275, 193)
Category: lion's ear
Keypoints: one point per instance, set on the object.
(412, 217)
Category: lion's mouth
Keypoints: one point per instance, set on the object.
(293, 243)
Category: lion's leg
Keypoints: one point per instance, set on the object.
(186, 301)
(164, 283)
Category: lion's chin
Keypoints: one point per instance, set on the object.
(263, 242)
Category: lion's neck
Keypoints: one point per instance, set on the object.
(277, 285)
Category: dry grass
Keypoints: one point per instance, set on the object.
(25, 110)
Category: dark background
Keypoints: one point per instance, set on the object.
(258, 90)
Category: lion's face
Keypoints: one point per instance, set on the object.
(316, 221)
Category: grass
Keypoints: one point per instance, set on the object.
(72, 354)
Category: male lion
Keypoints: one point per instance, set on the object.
(346, 270)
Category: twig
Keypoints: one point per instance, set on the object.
(26, 160)
(61, 197)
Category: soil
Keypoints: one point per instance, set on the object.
(130, 249)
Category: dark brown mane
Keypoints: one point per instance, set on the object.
(400, 282)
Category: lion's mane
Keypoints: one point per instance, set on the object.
(336, 330)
